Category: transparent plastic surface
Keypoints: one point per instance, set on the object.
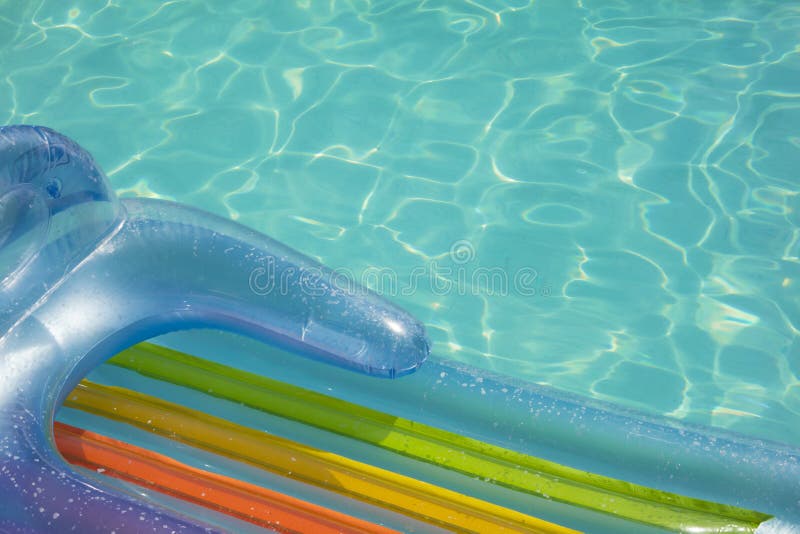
(660, 453)
(90, 275)
(23, 225)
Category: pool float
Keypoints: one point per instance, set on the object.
(579, 462)
(477, 460)
(84, 275)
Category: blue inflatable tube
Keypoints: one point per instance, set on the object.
(84, 275)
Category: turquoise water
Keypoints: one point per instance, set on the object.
(601, 196)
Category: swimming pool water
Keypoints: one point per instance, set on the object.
(598, 195)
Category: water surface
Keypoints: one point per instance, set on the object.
(601, 196)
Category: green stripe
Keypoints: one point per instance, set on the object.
(520, 472)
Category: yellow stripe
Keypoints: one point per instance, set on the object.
(408, 496)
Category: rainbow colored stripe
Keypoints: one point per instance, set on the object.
(420, 500)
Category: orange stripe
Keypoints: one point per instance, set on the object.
(239, 499)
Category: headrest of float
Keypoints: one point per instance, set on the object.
(55, 204)
(83, 275)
